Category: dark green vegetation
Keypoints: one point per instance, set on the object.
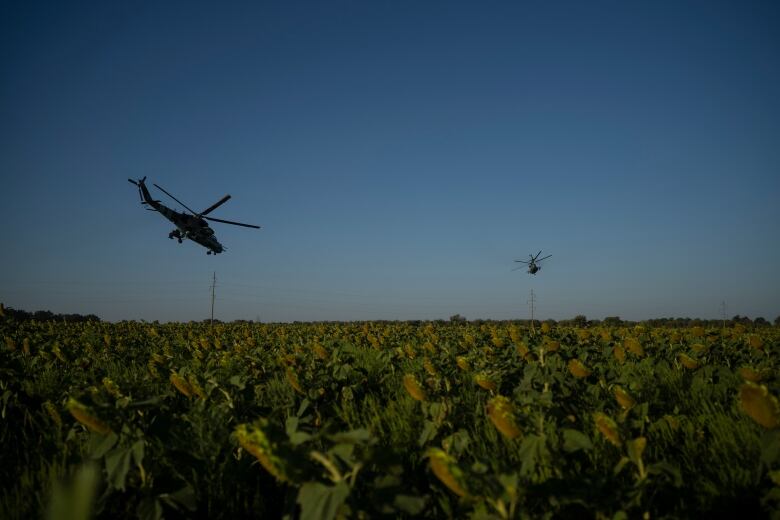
(387, 420)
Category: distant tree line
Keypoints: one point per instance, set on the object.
(615, 321)
(690, 322)
(20, 315)
(578, 321)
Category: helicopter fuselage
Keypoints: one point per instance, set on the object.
(187, 226)
(533, 267)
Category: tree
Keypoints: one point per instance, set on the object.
(580, 321)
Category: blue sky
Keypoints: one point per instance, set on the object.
(399, 156)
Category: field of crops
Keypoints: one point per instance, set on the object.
(385, 419)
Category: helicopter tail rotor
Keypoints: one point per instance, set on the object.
(138, 184)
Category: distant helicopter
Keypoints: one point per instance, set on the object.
(533, 267)
(194, 226)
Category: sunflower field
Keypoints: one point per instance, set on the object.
(387, 420)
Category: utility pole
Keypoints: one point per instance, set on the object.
(213, 286)
(531, 302)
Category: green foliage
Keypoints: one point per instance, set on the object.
(75, 501)
(314, 420)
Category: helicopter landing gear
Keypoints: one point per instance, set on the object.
(208, 252)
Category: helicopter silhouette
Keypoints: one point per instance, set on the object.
(533, 267)
(188, 226)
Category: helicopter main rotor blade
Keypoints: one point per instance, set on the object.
(215, 205)
(537, 255)
(546, 257)
(174, 198)
(517, 268)
(522, 261)
(231, 222)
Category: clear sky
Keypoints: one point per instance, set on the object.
(399, 156)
